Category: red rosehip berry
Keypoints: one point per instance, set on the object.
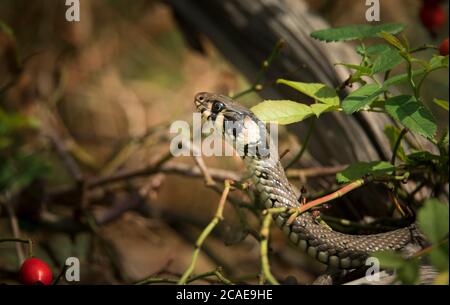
(443, 48)
(35, 271)
(432, 15)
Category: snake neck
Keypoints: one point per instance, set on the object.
(271, 183)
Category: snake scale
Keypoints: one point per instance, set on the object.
(336, 249)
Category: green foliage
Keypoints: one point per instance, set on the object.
(360, 98)
(355, 32)
(441, 103)
(18, 165)
(408, 109)
(433, 222)
(287, 112)
(407, 272)
(386, 61)
(361, 169)
(412, 114)
(282, 112)
(319, 92)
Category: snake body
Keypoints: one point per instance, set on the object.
(336, 249)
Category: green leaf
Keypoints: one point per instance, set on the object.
(432, 219)
(376, 49)
(282, 111)
(391, 39)
(386, 60)
(360, 98)
(389, 259)
(361, 69)
(412, 114)
(392, 133)
(359, 31)
(438, 62)
(439, 256)
(318, 109)
(422, 158)
(441, 103)
(319, 92)
(361, 169)
(409, 272)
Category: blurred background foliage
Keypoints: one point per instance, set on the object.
(103, 91)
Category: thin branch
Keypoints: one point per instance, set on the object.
(257, 85)
(198, 244)
(264, 245)
(214, 173)
(298, 156)
(314, 171)
(216, 273)
(397, 145)
(16, 232)
(146, 171)
(65, 155)
(20, 240)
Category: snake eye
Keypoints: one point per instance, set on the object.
(217, 106)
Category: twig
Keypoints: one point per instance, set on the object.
(393, 192)
(217, 273)
(60, 275)
(198, 244)
(20, 240)
(397, 144)
(64, 153)
(337, 194)
(298, 156)
(16, 231)
(196, 152)
(146, 171)
(215, 173)
(264, 246)
(430, 248)
(130, 147)
(314, 171)
(257, 86)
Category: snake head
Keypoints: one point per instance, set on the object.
(239, 125)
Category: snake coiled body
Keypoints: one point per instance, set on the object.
(336, 249)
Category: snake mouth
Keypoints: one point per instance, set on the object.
(203, 105)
